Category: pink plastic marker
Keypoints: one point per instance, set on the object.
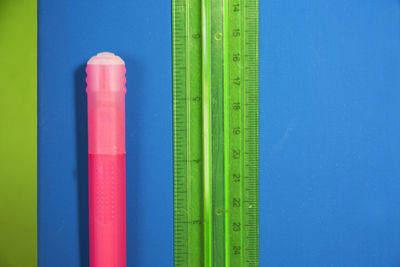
(106, 128)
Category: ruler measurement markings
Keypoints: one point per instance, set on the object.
(180, 196)
(229, 127)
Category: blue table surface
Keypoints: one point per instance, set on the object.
(329, 130)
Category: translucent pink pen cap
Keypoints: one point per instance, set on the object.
(106, 104)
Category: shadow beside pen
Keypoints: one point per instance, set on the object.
(82, 163)
(134, 166)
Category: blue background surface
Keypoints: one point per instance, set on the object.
(330, 133)
(329, 130)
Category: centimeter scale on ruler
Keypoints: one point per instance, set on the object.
(215, 104)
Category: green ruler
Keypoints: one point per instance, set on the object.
(215, 94)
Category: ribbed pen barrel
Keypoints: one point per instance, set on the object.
(106, 144)
(106, 104)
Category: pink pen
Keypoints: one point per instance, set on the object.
(106, 129)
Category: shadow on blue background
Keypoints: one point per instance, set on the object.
(82, 162)
(134, 205)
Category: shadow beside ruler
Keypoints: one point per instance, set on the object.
(215, 94)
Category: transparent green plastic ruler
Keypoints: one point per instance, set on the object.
(215, 105)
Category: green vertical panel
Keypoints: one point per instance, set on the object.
(18, 133)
